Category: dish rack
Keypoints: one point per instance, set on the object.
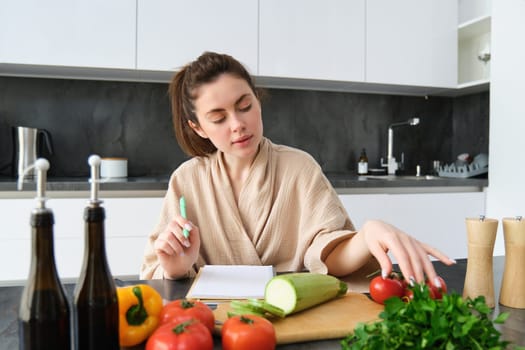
(462, 171)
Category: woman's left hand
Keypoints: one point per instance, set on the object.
(377, 238)
(412, 255)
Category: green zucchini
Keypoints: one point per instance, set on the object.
(269, 308)
(255, 307)
(244, 308)
(293, 292)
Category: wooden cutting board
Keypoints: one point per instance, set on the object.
(331, 320)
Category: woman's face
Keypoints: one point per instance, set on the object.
(229, 114)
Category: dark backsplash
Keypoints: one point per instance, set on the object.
(133, 120)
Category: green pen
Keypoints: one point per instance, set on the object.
(182, 204)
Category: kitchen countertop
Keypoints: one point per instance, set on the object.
(155, 186)
(512, 330)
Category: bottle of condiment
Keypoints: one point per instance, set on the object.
(362, 164)
(479, 278)
(96, 304)
(512, 291)
(44, 315)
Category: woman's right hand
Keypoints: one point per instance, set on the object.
(176, 253)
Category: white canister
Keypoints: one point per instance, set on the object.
(114, 167)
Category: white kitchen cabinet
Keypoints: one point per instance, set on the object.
(437, 219)
(380, 46)
(310, 39)
(505, 195)
(412, 42)
(128, 223)
(171, 33)
(474, 43)
(79, 33)
(470, 9)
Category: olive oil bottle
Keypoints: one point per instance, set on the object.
(96, 304)
(44, 315)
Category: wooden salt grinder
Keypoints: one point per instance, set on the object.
(479, 279)
(512, 291)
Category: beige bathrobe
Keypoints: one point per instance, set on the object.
(288, 215)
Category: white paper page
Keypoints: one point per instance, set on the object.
(230, 282)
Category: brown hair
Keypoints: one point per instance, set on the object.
(205, 69)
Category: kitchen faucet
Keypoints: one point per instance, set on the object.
(391, 163)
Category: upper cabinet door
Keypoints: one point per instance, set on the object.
(412, 42)
(312, 39)
(81, 33)
(172, 33)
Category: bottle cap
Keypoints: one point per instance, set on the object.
(94, 163)
(42, 166)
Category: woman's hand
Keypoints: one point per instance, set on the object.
(411, 254)
(176, 253)
(377, 238)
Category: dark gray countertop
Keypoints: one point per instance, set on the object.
(340, 181)
(81, 184)
(512, 330)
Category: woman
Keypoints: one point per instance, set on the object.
(250, 201)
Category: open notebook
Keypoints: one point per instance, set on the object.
(218, 282)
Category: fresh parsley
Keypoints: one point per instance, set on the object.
(424, 323)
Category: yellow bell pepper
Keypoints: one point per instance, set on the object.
(139, 311)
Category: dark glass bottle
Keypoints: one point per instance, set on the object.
(96, 304)
(44, 315)
(362, 164)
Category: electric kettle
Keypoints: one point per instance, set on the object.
(28, 146)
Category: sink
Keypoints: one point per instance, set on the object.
(402, 177)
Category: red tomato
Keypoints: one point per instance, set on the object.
(382, 289)
(186, 335)
(409, 294)
(398, 276)
(438, 292)
(248, 332)
(181, 309)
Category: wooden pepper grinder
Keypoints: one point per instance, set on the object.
(512, 291)
(479, 279)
